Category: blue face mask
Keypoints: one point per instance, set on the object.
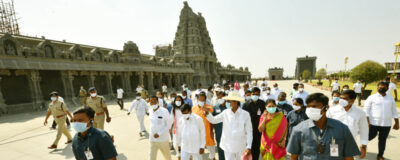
(228, 105)
(79, 126)
(271, 110)
(248, 98)
(281, 102)
(336, 99)
(254, 97)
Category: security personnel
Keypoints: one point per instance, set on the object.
(59, 112)
(98, 104)
(83, 95)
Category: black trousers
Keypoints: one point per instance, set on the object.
(383, 135)
(55, 124)
(359, 98)
(120, 103)
(255, 146)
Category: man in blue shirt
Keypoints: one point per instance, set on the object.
(321, 138)
(186, 99)
(90, 142)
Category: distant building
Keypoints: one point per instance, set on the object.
(275, 73)
(390, 66)
(305, 63)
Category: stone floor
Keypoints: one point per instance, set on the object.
(23, 136)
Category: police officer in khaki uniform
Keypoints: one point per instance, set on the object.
(83, 95)
(59, 112)
(98, 104)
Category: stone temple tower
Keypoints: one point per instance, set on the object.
(192, 44)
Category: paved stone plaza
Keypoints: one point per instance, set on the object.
(23, 136)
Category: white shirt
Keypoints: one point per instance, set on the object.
(331, 104)
(380, 110)
(357, 87)
(214, 101)
(354, 118)
(160, 123)
(300, 95)
(164, 88)
(242, 92)
(392, 87)
(335, 86)
(120, 93)
(178, 115)
(160, 102)
(276, 92)
(237, 131)
(140, 107)
(265, 96)
(191, 134)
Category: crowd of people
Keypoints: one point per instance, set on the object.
(233, 122)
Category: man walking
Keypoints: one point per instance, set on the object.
(140, 107)
(120, 97)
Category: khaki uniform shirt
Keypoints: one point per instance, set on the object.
(98, 104)
(82, 93)
(57, 108)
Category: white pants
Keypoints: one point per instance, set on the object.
(233, 156)
(195, 156)
(141, 121)
(175, 145)
(211, 151)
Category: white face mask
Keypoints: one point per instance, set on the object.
(314, 113)
(53, 98)
(178, 103)
(137, 98)
(267, 91)
(154, 106)
(184, 97)
(221, 101)
(201, 104)
(301, 89)
(296, 107)
(93, 94)
(343, 103)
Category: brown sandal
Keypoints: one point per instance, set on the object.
(53, 146)
(68, 142)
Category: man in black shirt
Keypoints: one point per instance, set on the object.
(89, 142)
(255, 107)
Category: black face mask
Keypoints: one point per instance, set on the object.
(382, 90)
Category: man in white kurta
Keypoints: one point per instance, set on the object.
(237, 131)
(190, 135)
(140, 107)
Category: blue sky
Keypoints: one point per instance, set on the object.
(256, 33)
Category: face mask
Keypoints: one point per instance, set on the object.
(184, 97)
(296, 107)
(186, 116)
(382, 90)
(343, 102)
(336, 99)
(314, 113)
(187, 88)
(228, 105)
(268, 91)
(281, 102)
(254, 97)
(137, 98)
(221, 101)
(93, 94)
(178, 103)
(271, 110)
(53, 98)
(154, 106)
(173, 99)
(201, 104)
(79, 126)
(345, 89)
(301, 89)
(248, 98)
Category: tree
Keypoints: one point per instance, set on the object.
(321, 73)
(368, 72)
(306, 75)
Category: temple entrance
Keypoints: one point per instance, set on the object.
(51, 81)
(273, 77)
(134, 81)
(101, 85)
(115, 82)
(15, 89)
(80, 81)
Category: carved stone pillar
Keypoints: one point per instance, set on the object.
(109, 76)
(36, 91)
(150, 81)
(177, 79)
(126, 81)
(92, 77)
(67, 79)
(141, 78)
(169, 84)
(3, 107)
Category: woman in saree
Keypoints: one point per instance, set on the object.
(273, 126)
